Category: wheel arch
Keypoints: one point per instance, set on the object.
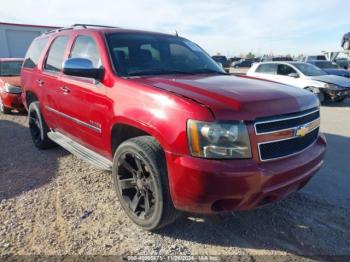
(123, 129)
(30, 97)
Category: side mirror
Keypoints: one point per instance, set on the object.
(294, 75)
(82, 67)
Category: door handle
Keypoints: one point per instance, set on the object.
(40, 82)
(65, 90)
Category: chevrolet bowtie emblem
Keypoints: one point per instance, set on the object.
(301, 131)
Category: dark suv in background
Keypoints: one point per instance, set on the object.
(222, 60)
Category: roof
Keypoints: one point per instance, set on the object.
(103, 29)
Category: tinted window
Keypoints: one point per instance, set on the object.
(86, 47)
(56, 54)
(154, 52)
(285, 70)
(267, 69)
(10, 68)
(146, 54)
(33, 53)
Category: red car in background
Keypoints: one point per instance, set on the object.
(10, 90)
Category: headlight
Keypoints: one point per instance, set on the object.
(12, 89)
(218, 139)
(332, 87)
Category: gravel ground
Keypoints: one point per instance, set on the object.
(52, 203)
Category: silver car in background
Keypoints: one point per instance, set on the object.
(305, 76)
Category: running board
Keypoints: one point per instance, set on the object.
(80, 151)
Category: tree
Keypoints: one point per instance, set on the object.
(250, 55)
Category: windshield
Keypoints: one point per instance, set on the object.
(136, 54)
(309, 70)
(325, 64)
(10, 68)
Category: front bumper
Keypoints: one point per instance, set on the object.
(12, 101)
(209, 186)
(337, 94)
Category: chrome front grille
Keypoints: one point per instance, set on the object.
(285, 122)
(287, 135)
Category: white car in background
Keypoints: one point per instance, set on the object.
(305, 76)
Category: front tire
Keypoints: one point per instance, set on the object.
(38, 127)
(4, 109)
(141, 182)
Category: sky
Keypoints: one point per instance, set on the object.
(229, 27)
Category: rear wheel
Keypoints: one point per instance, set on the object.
(38, 127)
(141, 183)
(3, 108)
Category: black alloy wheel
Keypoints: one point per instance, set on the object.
(141, 181)
(38, 127)
(35, 127)
(137, 185)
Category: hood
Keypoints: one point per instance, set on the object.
(11, 80)
(332, 79)
(337, 72)
(231, 97)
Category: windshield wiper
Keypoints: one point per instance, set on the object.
(158, 72)
(165, 72)
(209, 71)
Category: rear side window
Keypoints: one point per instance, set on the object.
(56, 54)
(267, 69)
(86, 47)
(33, 53)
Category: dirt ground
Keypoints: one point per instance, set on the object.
(52, 203)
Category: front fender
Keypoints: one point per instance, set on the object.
(159, 113)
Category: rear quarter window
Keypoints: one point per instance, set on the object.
(33, 54)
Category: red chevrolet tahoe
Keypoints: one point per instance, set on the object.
(177, 132)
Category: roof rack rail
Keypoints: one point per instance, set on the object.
(57, 30)
(77, 25)
(91, 25)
